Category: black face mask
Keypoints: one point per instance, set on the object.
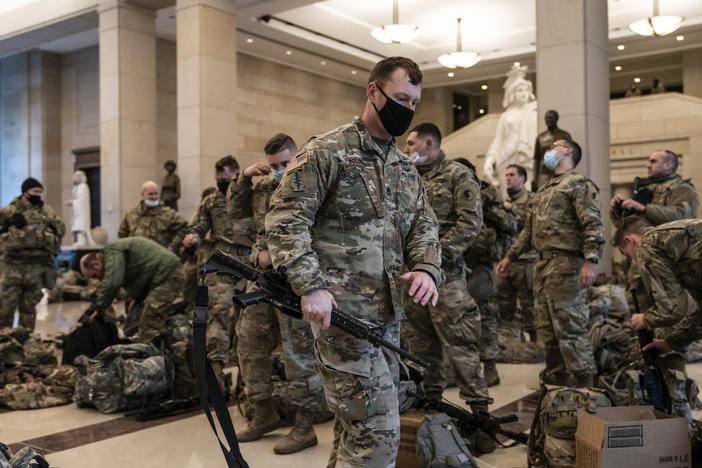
(395, 117)
(34, 199)
(223, 186)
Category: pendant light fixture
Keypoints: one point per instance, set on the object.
(656, 25)
(459, 58)
(395, 33)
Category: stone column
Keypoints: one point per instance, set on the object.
(573, 78)
(127, 107)
(692, 72)
(207, 84)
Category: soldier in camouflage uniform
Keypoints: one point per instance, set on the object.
(348, 214)
(154, 220)
(565, 228)
(194, 257)
(452, 327)
(669, 260)
(261, 327)
(234, 238)
(518, 284)
(30, 235)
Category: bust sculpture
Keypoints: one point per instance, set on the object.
(516, 130)
(170, 188)
(543, 144)
(80, 210)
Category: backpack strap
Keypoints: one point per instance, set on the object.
(208, 386)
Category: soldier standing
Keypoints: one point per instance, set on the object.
(565, 227)
(261, 327)
(348, 214)
(233, 238)
(518, 284)
(30, 236)
(451, 328)
(154, 220)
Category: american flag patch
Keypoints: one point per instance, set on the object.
(297, 162)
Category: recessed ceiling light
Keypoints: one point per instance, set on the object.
(353, 72)
(288, 52)
(620, 47)
(322, 63)
(618, 68)
(451, 74)
(680, 38)
(483, 87)
(637, 80)
(249, 40)
(516, 64)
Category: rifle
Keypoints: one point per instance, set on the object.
(643, 196)
(275, 291)
(471, 422)
(651, 379)
(164, 409)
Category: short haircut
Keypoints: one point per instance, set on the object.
(577, 152)
(227, 161)
(520, 170)
(88, 258)
(671, 157)
(634, 224)
(386, 67)
(278, 143)
(428, 130)
(207, 192)
(467, 163)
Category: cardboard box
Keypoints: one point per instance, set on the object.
(636, 436)
(409, 423)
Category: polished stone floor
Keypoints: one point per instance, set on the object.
(81, 437)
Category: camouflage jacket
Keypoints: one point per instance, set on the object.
(454, 195)
(565, 217)
(669, 258)
(38, 241)
(137, 264)
(499, 227)
(245, 199)
(233, 237)
(160, 223)
(521, 202)
(346, 217)
(673, 199)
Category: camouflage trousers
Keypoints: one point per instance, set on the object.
(517, 286)
(451, 329)
(562, 317)
(360, 383)
(481, 286)
(158, 303)
(20, 287)
(259, 330)
(675, 378)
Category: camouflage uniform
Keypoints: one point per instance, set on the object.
(565, 227)
(495, 236)
(234, 238)
(25, 257)
(518, 284)
(345, 218)
(159, 223)
(261, 326)
(452, 327)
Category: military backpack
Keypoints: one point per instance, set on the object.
(440, 445)
(25, 458)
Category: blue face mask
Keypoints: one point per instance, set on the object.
(278, 175)
(551, 159)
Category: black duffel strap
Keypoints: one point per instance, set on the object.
(208, 386)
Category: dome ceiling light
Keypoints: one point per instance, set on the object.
(656, 25)
(459, 58)
(395, 33)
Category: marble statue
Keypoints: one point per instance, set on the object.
(516, 130)
(543, 143)
(80, 210)
(170, 187)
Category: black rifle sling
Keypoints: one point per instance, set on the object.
(209, 387)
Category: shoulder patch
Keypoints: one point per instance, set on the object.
(297, 183)
(297, 162)
(467, 195)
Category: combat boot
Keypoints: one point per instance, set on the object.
(492, 378)
(300, 437)
(265, 419)
(483, 442)
(584, 380)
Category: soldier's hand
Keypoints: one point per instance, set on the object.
(661, 346)
(614, 202)
(501, 268)
(588, 274)
(258, 169)
(422, 287)
(317, 306)
(637, 322)
(189, 241)
(264, 259)
(633, 205)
